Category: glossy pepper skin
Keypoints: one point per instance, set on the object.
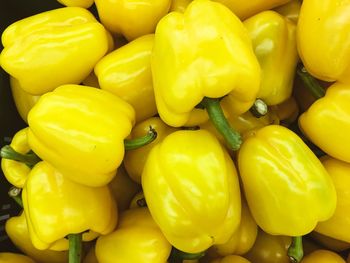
(79, 3)
(137, 239)
(323, 256)
(80, 130)
(135, 18)
(231, 259)
(7, 257)
(279, 170)
(326, 123)
(53, 48)
(17, 230)
(274, 43)
(290, 10)
(179, 5)
(135, 160)
(188, 63)
(185, 181)
(17, 172)
(126, 72)
(53, 208)
(325, 56)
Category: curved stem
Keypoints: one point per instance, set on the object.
(75, 245)
(216, 115)
(142, 141)
(259, 108)
(30, 159)
(15, 194)
(295, 250)
(178, 255)
(311, 83)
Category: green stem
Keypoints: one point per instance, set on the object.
(311, 83)
(75, 247)
(295, 250)
(178, 256)
(259, 108)
(30, 159)
(15, 194)
(216, 115)
(142, 141)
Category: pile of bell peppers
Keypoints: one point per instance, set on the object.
(180, 131)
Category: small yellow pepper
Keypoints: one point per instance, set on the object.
(290, 10)
(179, 5)
(126, 72)
(55, 207)
(188, 63)
(274, 42)
(135, 160)
(323, 256)
(17, 230)
(53, 48)
(330, 243)
(323, 39)
(134, 18)
(279, 170)
(231, 259)
(137, 239)
(79, 3)
(185, 180)
(80, 130)
(6, 257)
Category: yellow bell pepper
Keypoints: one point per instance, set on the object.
(338, 226)
(185, 180)
(135, 160)
(80, 130)
(326, 122)
(274, 42)
(252, 7)
(17, 230)
(7, 257)
(126, 72)
(231, 259)
(271, 163)
(134, 18)
(188, 63)
(290, 10)
(323, 42)
(53, 48)
(330, 243)
(179, 5)
(137, 239)
(323, 256)
(79, 3)
(23, 100)
(55, 207)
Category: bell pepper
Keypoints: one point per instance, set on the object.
(326, 123)
(338, 226)
(271, 163)
(17, 230)
(53, 208)
(323, 256)
(287, 112)
(53, 48)
(23, 100)
(330, 243)
(7, 257)
(290, 10)
(80, 130)
(135, 18)
(79, 3)
(184, 181)
(274, 42)
(231, 259)
(137, 239)
(252, 7)
(135, 160)
(189, 64)
(179, 5)
(126, 72)
(323, 42)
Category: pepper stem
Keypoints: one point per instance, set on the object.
(177, 256)
(216, 115)
(259, 108)
(15, 194)
(30, 159)
(75, 241)
(142, 141)
(295, 250)
(311, 83)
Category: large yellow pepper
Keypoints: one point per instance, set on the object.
(134, 18)
(135, 160)
(179, 5)
(326, 122)
(323, 256)
(80, 130)
(294, 190)
(252, 7)
(17, 230)
(274, 42)
(204, 52)
(7, 257)
(231, 259)
(137, 239)
(290, 10)
(55, 207)
(185, 180)
(126, 72)
(56, 47)
(79, 3)
(323, 39)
